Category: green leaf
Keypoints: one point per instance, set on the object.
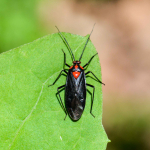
(30, 114)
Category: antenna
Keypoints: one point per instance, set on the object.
(66, 42)
(86, 42)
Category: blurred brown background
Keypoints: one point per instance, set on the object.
(122, 39)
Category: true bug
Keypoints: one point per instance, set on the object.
(75, 87)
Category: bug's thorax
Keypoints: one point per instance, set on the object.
(76, 69)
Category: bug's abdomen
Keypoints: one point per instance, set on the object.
(75, 96)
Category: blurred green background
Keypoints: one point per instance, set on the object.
(121, 37)
(19, 23)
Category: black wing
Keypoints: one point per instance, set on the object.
(75, 95)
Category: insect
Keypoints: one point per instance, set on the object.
(75, 87)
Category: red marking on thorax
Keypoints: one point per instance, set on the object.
(76, 74)
(76, 66)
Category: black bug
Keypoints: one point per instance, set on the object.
(75, 87)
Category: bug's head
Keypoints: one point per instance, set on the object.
(76, 62)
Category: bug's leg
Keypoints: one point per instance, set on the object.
(65, 59)
(94, 76)
(92, 97)
(89, 60)
(61, 99)
(58, 76)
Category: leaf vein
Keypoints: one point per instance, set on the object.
(34, 107)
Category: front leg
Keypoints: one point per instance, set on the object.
(89, 60)
(65, 59)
